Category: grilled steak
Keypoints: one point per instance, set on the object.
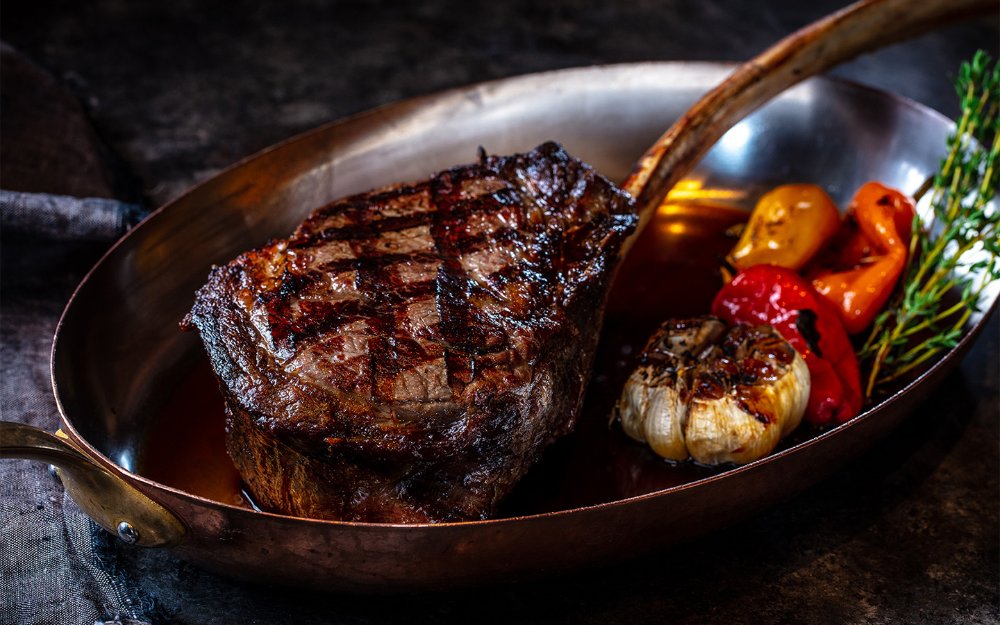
(407, 354)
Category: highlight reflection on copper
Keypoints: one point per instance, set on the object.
(693, 191)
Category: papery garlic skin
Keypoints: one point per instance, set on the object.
(653, 407)
(714, 394)
(727, 430)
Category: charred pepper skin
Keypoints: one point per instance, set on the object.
(867, 256)
(789, 225)
(781, 298)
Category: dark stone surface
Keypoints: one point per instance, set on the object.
(907, 534)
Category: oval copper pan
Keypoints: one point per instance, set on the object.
(117, 352)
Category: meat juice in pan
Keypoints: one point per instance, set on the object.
(672, 271)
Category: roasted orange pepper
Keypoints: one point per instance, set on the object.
(867, 255)
(788, 226)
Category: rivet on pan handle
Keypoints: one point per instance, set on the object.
(106, 498)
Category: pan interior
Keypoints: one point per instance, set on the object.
(119, 356)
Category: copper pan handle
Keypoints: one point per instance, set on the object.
(110, 501)
(859, 28)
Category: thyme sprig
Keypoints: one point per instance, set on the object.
(958, 250)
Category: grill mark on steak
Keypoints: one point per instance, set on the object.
(372, 287)
(321, 316)
(418, 345)
(364, 201)
(452, 286)
(374, 261)
(368, 229)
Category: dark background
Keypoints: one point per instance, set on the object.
(178, 90)
(181, 89)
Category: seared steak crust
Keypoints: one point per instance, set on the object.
(407, 353)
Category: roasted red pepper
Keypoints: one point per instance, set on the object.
(866, 256)
(781, 298)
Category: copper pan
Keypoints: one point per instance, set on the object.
(118, 354)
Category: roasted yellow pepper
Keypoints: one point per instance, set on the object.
(788, 226)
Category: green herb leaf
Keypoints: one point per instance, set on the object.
(964, 233)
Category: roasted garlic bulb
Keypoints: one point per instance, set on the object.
(714, 394)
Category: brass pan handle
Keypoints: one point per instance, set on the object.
(110, 501)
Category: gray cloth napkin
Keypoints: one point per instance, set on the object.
(56, 565)
(64, 217)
